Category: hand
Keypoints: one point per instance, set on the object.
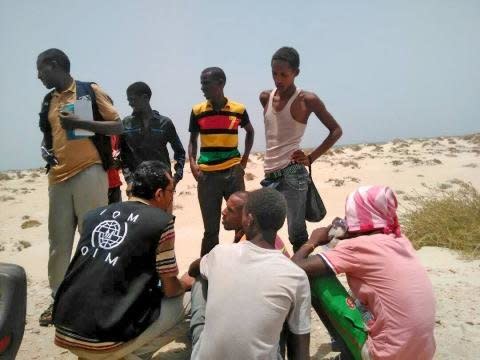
(187, 281)
(243, 162)
(196, 171)
(340, 226)
(299, 157)
(68, 120)
(320, 236)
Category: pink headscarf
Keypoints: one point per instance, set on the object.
(372, 208)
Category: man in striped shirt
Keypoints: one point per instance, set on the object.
(121, 291)
(220, 168)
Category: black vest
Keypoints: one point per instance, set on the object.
(101, 142)
(111, 289)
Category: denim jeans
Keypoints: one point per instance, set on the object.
(212, 188)
(294, 188)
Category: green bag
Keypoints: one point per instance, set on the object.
(342, 314)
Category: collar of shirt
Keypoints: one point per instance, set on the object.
(156, 115)
(226, 107)
(137, 199)
(71, 89)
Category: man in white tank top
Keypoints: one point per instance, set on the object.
(286, 111)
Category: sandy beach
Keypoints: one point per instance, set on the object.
(410, 167)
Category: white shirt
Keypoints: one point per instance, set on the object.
(252, 291)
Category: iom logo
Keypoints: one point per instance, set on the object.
(108, 234)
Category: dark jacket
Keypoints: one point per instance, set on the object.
(138, 144)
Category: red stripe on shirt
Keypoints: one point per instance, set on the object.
(217, 122)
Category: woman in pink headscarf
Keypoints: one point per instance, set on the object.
(383, 273)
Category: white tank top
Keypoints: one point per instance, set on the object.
(282, 134)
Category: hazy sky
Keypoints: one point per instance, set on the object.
(384, 69)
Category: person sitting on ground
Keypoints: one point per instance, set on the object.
(232, 220)
(252, 290)
(121, 290)
(383, 273)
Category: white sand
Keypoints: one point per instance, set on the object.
(408, 166)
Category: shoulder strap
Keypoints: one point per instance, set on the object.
(292, 98)
(101, 142)
(43, 120)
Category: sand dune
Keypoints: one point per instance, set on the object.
(408, 166)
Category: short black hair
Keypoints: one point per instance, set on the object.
(216, 73)
(242, 195)
(60, 58)
(269, 209)
(148, 177)
(288, 54)
(140, 88)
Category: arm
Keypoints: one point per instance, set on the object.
(315, 105)
(194, 269)
(70, 121)
(178, 153)
(312, 265)
(248, 144)
(171, 286)
(112, 124)
(192, 154)
(166, 262)
(124, 156)
(299, 347)
(264, 96)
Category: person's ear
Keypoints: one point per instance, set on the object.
(297, 72)
(250, 220)
(158, 194)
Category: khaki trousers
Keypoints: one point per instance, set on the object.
(69, 201)
(152, 339)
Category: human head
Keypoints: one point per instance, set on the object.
(232, 214)
(213, 81)
(285, 67)
(372, 208)
(264, 213)
(152, 182)
(53, 66)
(138, 96)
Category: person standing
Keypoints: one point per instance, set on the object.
(146, 135)
(286, 111)
(76, 166)
(220, 169)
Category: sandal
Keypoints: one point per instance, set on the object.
(46, 317)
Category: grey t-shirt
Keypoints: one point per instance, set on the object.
(251, 292)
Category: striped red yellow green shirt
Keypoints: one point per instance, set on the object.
(218, 134)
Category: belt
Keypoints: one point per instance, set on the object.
(290, 169)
